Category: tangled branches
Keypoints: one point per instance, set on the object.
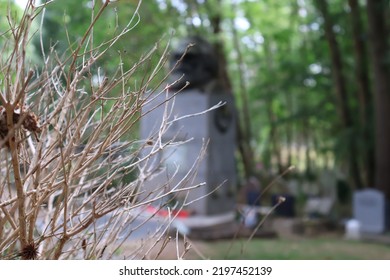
(72, 190)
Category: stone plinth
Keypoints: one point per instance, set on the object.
(216, 128)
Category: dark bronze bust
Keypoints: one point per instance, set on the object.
(198, 67)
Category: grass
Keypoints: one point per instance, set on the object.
(303, 249)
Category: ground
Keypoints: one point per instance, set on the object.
(288, 245)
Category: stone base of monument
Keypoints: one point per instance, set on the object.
(215, 227)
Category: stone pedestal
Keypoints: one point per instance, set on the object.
(216, 128)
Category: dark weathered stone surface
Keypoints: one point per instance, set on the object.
(198, 67)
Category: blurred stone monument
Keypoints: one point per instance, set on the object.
(216, 129)
(370, 209)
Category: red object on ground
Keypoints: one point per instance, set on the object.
(165, 213)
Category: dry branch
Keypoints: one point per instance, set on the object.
(72, 190)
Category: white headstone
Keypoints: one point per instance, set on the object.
(369, 209)
(352, 229)
(319, 205)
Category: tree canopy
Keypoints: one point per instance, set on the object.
(310, 77)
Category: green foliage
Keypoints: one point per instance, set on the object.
(9, 12)
(287, 66)
(10, 17)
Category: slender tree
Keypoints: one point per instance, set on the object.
(341, 90)
(363, 90)
(243, 123)
(378, 38)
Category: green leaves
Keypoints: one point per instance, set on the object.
(285, 60)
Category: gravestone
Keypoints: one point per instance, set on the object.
(369, 209)
(216, 128)
(287, 208)
(318, 206)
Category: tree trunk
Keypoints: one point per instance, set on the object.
(274, 137)
(364, 91)
(378, 36)
(341, 91)
(243, 135)
(223, 76)
(245, 125)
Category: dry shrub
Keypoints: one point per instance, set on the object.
(70, 175)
